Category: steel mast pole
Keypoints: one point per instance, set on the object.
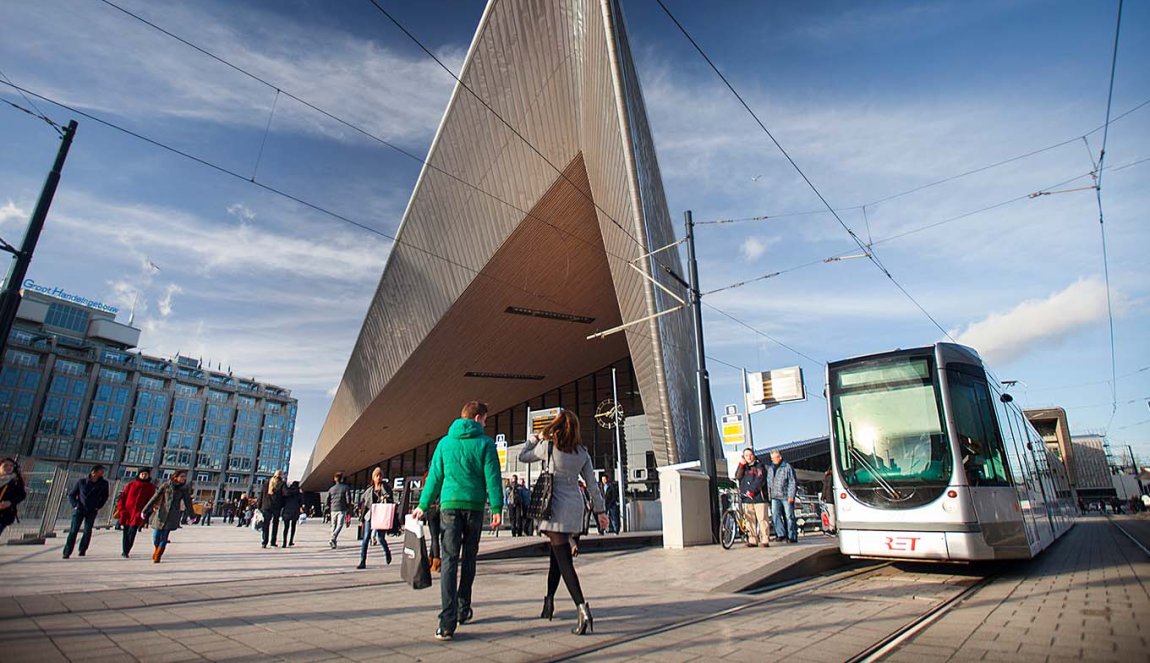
(10, 295)
(702, 382)
(620, 476)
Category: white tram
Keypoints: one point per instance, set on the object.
(933, 461)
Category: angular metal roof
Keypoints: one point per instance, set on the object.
(540, 187)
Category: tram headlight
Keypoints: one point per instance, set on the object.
(948, 507)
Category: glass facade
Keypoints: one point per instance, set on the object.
(583, 396)
(83, 400)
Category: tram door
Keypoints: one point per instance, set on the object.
(1021, 470)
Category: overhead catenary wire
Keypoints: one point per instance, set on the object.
(284, 194)
(36, 112)
(944, 180)
(913, 231)
(347, 123)
(854, 237)
(502, 120)
(1101, 221)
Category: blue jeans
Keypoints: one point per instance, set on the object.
(86, 521)
(160, 537)
(461, 530)
(378, 537)
(791, 529)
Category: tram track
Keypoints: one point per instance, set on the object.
(791, 589)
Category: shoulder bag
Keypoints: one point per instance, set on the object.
(542, 491)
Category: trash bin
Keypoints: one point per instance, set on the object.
(683, 490)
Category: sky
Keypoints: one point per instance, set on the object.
(869, 100)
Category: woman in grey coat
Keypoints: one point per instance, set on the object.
(561, 448)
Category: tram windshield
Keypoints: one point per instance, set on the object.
(890, 439)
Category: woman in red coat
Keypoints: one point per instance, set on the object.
(131, 506)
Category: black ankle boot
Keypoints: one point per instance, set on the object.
(586, 623)
(548, 608)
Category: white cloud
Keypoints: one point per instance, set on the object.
(176, 237)
(145, 75)
(241, 212)
(165, 303)
(1001, 337)
(755, 246)
(9, 212)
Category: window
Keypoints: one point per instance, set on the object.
(245, 401)
(983, 456)
(217, 396)
(186, 389)
(22, 358)
(70, 367)
(154, 384)
(112, 375)
(67, 317)
(203, 478)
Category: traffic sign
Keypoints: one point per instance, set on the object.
(733, 428)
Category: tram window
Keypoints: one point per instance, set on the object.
(980, 446)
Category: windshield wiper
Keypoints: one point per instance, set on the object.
(861, 459)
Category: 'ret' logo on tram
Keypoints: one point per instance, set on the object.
(902, 543)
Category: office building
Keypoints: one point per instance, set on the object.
(74, 390)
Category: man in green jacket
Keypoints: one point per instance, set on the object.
(463, 476)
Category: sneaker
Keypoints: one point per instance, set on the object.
(443, 636)
(81, 553)
(332, 544)
(466, 615)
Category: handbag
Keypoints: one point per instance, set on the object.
(541, 493)
(415, 569)
(382, 515)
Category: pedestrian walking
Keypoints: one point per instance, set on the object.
(752, 477)
(271, 506)
(514, 506)
(523, 494)
(611, 502)
(561, 447)
(293, 505)
(828, 499)
(464, 474)
(206, 516)
(783, 489)
(376, 493)
(87, 497)
(12, 491)
(133, 499)
(166, 509)
(338, 504)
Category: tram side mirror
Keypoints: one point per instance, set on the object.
(1006, 398)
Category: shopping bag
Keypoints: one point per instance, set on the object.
(415, 568)
(540, 506)
(382, 516)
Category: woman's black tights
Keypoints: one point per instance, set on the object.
(563, 565)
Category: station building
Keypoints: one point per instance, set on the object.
(74, 390)
(538, 221)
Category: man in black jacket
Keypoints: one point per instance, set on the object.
(87, 498)
(752, 478)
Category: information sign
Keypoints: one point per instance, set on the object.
(501, 449)
(782, 385)
(733, 429)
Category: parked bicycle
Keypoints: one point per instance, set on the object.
(733, 523)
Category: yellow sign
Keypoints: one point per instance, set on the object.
(501, 449)
(734, 430)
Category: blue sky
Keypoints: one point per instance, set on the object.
(870, 99)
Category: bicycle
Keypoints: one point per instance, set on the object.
(733, 524)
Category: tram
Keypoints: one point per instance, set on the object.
(934, 461)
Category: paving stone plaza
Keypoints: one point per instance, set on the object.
(217, 596)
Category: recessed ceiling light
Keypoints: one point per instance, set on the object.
(550, 315)
(501, 376)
